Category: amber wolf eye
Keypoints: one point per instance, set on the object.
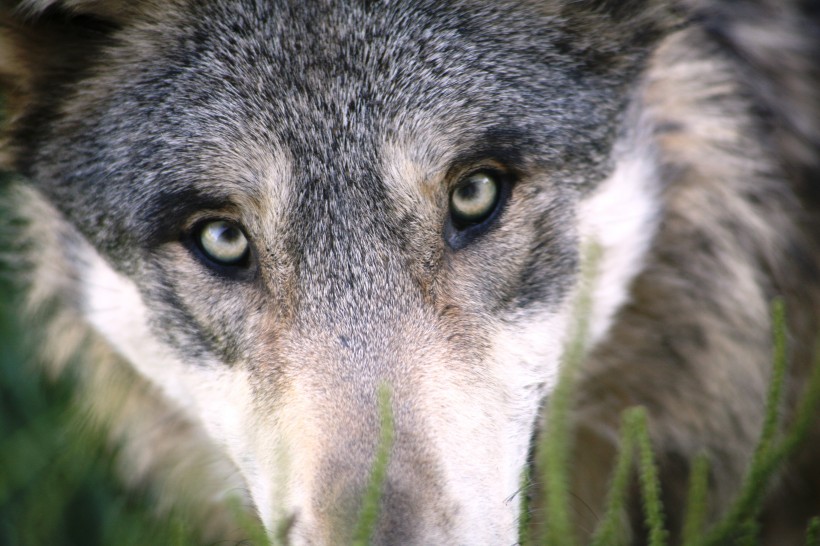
(474, 205)
(222, 243)
(474, 199)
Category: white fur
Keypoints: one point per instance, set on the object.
(621, 216)
(115, 308)
(526, 358)
(211, 394)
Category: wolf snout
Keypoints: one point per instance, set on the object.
(346, 516)
(347, 505)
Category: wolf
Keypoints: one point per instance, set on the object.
(248, 217)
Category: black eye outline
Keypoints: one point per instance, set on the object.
(240, 268)
(461, 231)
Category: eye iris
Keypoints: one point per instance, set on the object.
(223, 242)
(475, 198)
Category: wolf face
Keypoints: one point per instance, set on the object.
(270, 210)
(282, 206)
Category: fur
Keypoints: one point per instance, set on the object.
(682, 138)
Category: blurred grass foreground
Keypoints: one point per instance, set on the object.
(58, 485)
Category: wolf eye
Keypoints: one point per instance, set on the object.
(475, 204)
(223, 242)
(474, 199)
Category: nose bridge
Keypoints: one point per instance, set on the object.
(412, 502)
(332, 418)
(351, 273)
(347, 367)
(405, 495)
(357, 303)
(361, 323)
(346, 239)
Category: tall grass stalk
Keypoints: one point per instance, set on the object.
(636, 421)
(696, 502)
(369, 514)
(610, 530)
(740, 525)
(769, 455)
(555, 445)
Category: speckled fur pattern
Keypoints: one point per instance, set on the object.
(682, 138)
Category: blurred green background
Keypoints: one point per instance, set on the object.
(58, 485)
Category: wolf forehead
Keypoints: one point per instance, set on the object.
(330, 86)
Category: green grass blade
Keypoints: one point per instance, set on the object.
(774, 397)
(370, 505)
(748, 534)
(806, 416)
(696, 502)
(648, 474)
(813, 532)
(555, 445)
(610, 529)
(768, 456)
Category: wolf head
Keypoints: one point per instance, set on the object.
(273, 209)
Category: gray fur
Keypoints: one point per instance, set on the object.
(287, 117)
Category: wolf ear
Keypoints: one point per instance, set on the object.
(44, 35)
(112, 10)
(45, 45)
(615, 26)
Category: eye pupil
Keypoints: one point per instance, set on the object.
(223, 242)
(468, 191)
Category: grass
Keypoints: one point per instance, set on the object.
(58, 483)
(369, 514)
(739, 526)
